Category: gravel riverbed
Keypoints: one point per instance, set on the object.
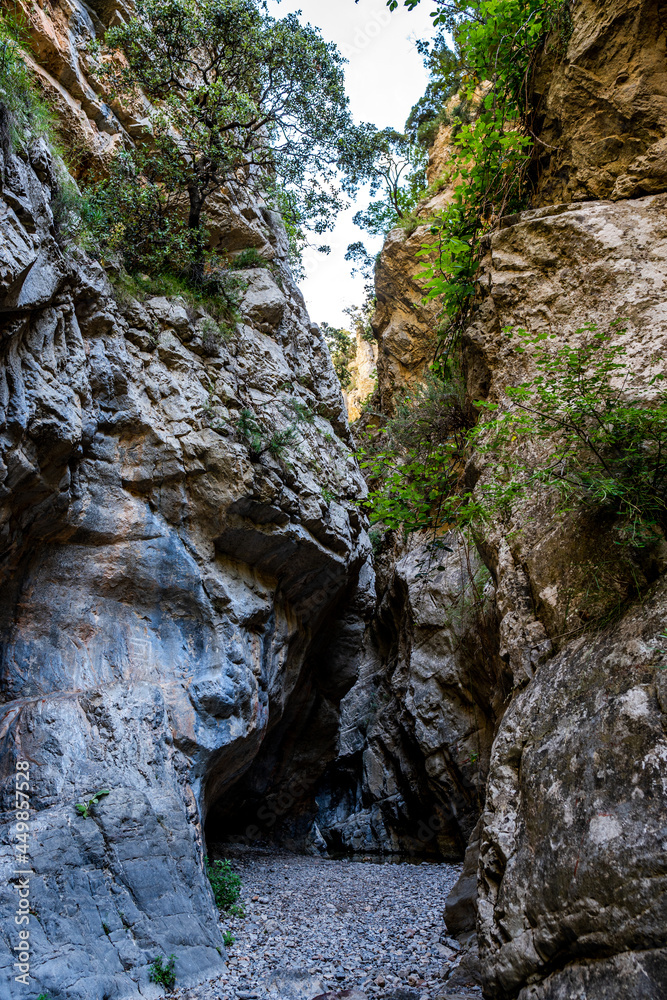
(316, 926)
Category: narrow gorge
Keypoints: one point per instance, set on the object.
(198, 619)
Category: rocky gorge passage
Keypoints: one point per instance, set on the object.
(205, 628)
(315, 925)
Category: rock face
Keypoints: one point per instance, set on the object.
(190, 622)
(403, 326)
(602, 104)
(166, 586)
(564, 875)
(363, 369)
(571, 884)
(416, 729)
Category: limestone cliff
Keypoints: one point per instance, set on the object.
(567, 718)
(192, 622)
(167, 586)
(363, 372)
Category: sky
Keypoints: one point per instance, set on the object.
(385, 76)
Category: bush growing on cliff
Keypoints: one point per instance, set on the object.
(497, 42)
(414, 463)
(24, 114)
(429, 113)
(584, 428)
(393, 165)
(162, 973)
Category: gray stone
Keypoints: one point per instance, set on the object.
(263, 302)
(160, 608)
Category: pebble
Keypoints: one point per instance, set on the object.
(315, 926)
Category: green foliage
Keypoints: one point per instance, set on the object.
(376, 538)
(162, 974)
(218, 291)
(226, 884)
(132, 219)
(429, 113)
(228, 939)
(497, 42)
(361, 317)
(583, 430)
(394, 166)
(84, 808)
(242, 98)
(24, 114)
(248, 258)
(415, 462)
(261, 440)
(342, 350)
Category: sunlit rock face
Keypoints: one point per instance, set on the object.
(363, 371)
(167, 586)
(601, 104)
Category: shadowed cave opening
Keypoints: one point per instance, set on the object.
(297, 796)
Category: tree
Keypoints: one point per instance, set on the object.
(391, 163)
(429, 113)
(342, 350)
(239, 97)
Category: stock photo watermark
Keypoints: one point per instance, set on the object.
(22, 873)
(366, 35)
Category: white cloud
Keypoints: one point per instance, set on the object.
(385, 76)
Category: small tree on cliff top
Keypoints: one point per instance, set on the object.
(238, 93)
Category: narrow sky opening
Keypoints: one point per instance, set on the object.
(385, 76)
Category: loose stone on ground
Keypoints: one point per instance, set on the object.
(339, 927)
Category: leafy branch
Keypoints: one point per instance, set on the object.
(84, 808)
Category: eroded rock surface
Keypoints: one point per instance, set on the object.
(601, 103)
(565, 856)
(416, 729)
(163, 584)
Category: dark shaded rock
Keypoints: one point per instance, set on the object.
(461, 905)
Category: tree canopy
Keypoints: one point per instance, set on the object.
(236, 95)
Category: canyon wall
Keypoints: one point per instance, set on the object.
(554, 716)
(167, 585)
(193, 623)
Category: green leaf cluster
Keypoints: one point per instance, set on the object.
(238, 97)
(24, 114)
(84, 808)
(391, 164)
(429, 113)
(163, 974)
(262, 440)
(226, 885)
(496, 42)
(583, 432)
(342, 350)
(414, 463)
(583, 429)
